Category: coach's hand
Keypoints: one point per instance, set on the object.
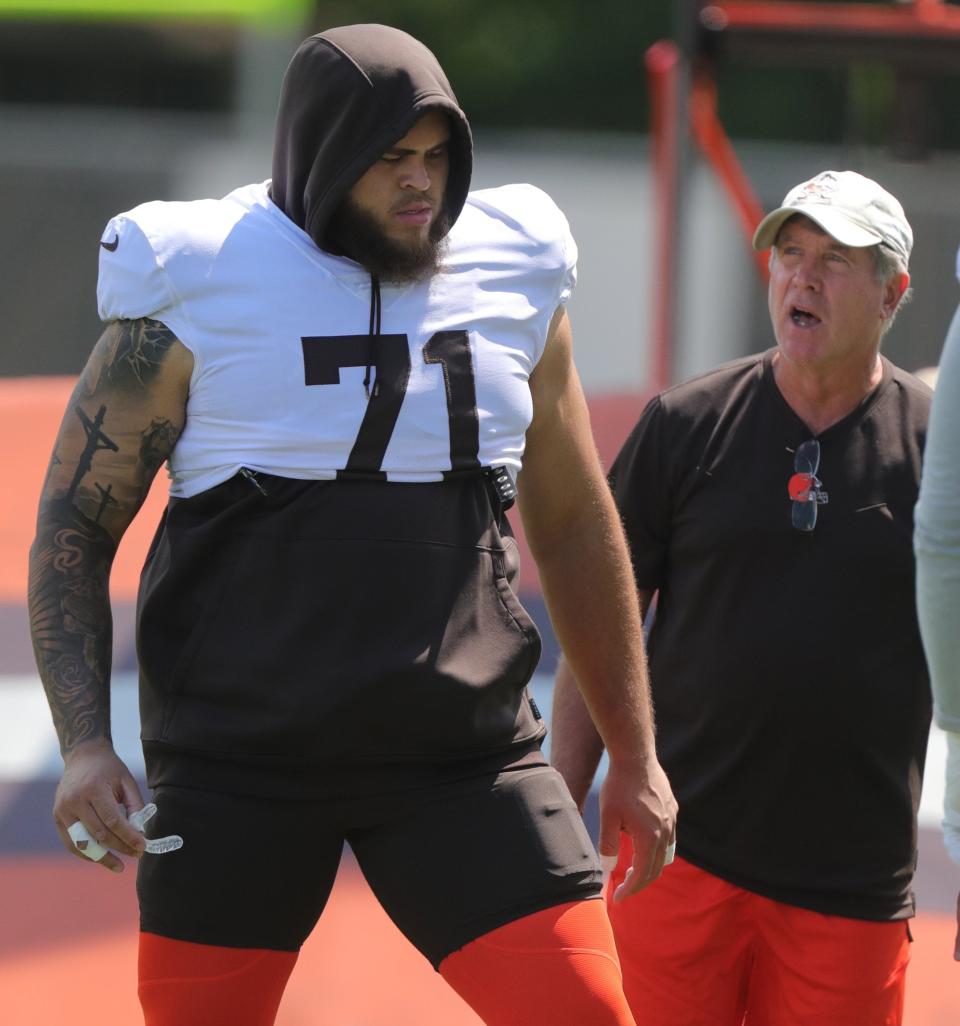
(99, 792)
(636, 799)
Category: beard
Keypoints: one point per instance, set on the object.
(358, 234)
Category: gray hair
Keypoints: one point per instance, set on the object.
(888, 265)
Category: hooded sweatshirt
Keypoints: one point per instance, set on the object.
(348, 95)
(330, 585)
(304, 366)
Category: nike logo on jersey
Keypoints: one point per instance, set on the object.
(111, 245)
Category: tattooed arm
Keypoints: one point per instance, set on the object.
(121, 423)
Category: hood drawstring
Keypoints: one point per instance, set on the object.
(374, 333)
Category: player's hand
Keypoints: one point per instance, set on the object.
(98, 791)
(636, 799)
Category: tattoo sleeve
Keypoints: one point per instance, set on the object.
(122, 422)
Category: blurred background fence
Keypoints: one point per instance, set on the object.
(106, 104)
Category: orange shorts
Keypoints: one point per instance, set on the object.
(697, 951)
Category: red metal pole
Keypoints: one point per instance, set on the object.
(716, 147)
(662, 62)
(923, 18)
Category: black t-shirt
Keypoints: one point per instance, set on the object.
(789, 684)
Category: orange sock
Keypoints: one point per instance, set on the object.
(184, 984)
(557, 967)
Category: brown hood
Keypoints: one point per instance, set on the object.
(348, 95)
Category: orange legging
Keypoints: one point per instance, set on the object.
(184, 984)
(557, 967)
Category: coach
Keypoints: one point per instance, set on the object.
(769, 506)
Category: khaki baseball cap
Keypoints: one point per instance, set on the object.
(851, 208)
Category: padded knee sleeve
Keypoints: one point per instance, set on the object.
(184, 984)
(556, 967)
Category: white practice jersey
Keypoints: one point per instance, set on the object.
(280, 335)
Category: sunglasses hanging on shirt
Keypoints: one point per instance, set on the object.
(804, 486)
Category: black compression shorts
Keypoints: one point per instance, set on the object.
(448, 863)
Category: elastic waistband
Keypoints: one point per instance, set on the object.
(176, 767)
